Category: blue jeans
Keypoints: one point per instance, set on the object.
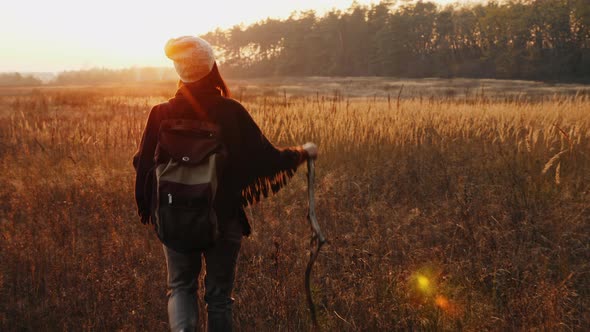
(183, 273)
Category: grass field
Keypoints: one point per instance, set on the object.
(446, 209)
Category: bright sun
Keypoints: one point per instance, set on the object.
(73, 34)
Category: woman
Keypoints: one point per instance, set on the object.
(253, 168)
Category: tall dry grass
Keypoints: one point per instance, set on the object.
(442, 214)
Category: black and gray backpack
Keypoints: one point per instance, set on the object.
(188, 159)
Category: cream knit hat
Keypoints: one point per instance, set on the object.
(193, 57)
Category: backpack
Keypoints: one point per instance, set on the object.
(188, 157)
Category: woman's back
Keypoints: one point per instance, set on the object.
(252, 170)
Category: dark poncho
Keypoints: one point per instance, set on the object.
(254, 167)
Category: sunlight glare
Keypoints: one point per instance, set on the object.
(423, 284)
(69, 35)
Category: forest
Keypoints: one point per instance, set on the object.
(546, 40)
(522, 39)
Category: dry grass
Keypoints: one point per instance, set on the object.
(442, 213)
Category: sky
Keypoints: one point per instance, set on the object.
(57, 35)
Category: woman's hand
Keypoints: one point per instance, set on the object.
(311, 149)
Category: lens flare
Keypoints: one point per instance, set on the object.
(423, 284)
(428, 286)
(447, 306)
(442, 302)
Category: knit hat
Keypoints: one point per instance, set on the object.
(193, 57)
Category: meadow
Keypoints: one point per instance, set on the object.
(462, 205)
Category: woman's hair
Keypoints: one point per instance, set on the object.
(213, 79)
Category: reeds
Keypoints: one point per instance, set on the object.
(442, 213)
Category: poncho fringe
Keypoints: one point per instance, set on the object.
(263, 185)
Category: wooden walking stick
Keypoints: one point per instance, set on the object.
(317, 238)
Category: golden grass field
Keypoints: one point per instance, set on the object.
(458, 211)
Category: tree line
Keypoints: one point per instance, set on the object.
(18, 79)
(93, 76)
(517, 39)
(105, 75)
(531, 39)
